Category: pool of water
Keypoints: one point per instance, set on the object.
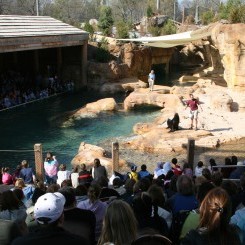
(39, 122)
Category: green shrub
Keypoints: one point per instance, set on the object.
(102, 54)
(207, 17)
(237, 15)
(89, 28)
(149, 12)
(155, 30)
(122, 29)
(105, 20)
(233, 10)
(169, 28)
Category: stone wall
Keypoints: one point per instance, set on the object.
(229, 39)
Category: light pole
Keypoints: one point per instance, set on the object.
(174, 10)
(158, 5)
(37, 7)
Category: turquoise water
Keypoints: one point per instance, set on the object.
(39, 122)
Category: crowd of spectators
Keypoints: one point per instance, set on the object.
(16, 88)
(172, 205)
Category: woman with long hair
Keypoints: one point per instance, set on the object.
(94, 204)
(120, 225)
(214, 227)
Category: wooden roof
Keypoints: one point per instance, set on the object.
(17, 31)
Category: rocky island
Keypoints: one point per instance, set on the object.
(219, 86)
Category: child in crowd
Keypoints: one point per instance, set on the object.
(199, 168)
(63, 174)
(7, 178)
(51, 168)
(133, 174)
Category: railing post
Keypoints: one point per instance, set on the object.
(115, 156)
(39, 162)
(190, 151)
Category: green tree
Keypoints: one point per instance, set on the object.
(169, 28)
(122, 29)
(226, 9)
(149, 11)
(103, 55)
(155, 30)
(106, 20)
(89, 28)
(237, 15)
(207, 17)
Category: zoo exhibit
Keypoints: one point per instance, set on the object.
(76, 101)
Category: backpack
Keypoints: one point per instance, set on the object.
(177, 224)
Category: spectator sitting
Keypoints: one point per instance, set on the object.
(77, 221)
(26, 173)
(212, 165)
(63, 174)
(158, 169)
(143, 172)
(133, 174)
(157, 196)
(28, 191)
(7, 178)
(48, 212)
(217, 178)
(184, 199)
(9, 231)
(187, 170)
(239, 218)
(214, 228)
(11, 208)
(94, 204)
(16, 173)
(175, 167)
(227, 171)
(81, 193)
(118, 186)
(53, 188)
(119, 226)
(106, 192)
(199, 168)
(66, 183)
(236, 173)
(74, 176)
(85, 176)
(142, 206)
(207, 174)
(192, 220)
(167, 166)
(128, 196)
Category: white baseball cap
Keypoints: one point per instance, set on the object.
(49, 207)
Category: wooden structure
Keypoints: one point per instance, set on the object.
(43, 42)
(38, 152)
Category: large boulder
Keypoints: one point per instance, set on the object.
(107, 104)
(87, 153)
(221, 101)
(141, 97)
(91, 110)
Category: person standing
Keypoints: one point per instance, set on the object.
(51, 168)
(98, 170)
(151, 79)
(193, 103)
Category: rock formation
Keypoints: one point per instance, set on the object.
(229, 39)
(87, 153)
